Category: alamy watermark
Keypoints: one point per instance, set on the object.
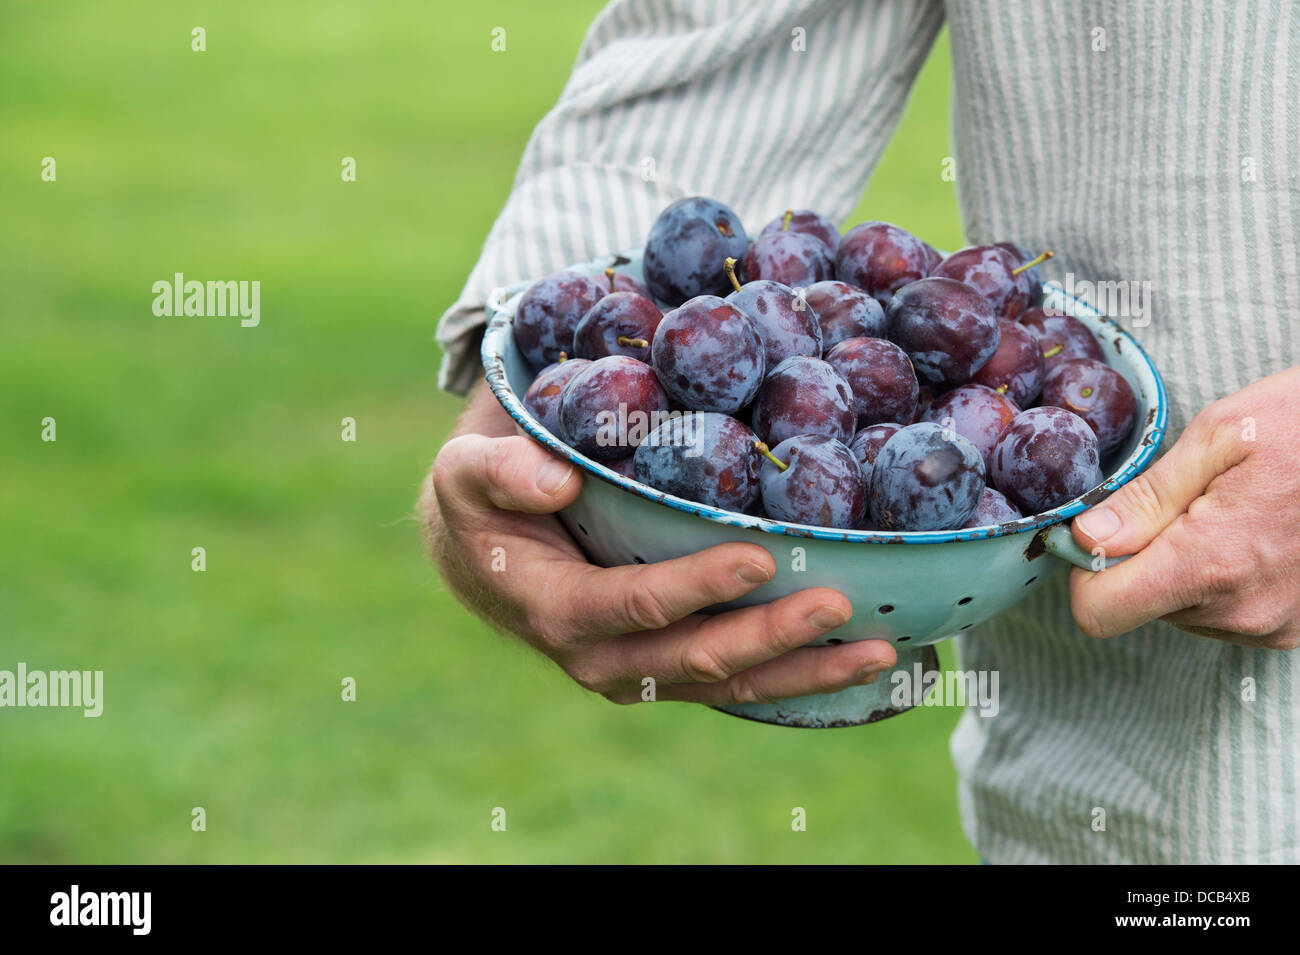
(921, 687)
(178, 297)
(1128, 299)
(64, 688)
(630, 428)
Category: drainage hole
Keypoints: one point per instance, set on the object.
(885, 608)
(964, 601)
(901, 639)
(1030, 581)
(834, 642)
(967, 626)
(584, 530)
(639, 560)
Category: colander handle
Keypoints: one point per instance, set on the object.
(1060, 542)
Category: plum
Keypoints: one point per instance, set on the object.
(1033, 274)
(609, 407)
(686, 247)
(977, 413)
(1061, 337)
(624, 466)
(1016, 368)
(880, 259)
(549, 311)
(803, 395)
(784, 321)
(1098, 394)
(990, 269)
(866, 445)
(543, 396)
(946, 327)
(844, 312)
(709, 355)
(932, 258)
(621, 323)
(993, 508)
(807, 222)
(791, 258)
(881, 377)
(925, 479)
(622, 282)
(812, 479)
(704, 457)
(1046, 457)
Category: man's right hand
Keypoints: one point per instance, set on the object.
(490, 501)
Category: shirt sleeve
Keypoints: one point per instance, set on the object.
(763, 106)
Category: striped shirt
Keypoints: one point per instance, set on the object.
(1147, 141)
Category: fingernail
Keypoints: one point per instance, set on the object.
(752, 573)
(828, 618)
(1098, 523)
(553, 475)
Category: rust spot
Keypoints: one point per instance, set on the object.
(1037, 545)
(1095, 496)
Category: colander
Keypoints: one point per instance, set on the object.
(912, 589)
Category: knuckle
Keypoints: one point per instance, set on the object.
(1089, 620)
(621, 697)
(1210, 422)
(1143, 498)
(589, 677)
(446, 465)
(551, 632)
(1288, 640)
(1255, 620)
(498, 464)
(645, 608)
(743, 689)
(699, 664)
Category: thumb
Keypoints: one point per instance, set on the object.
(513, 474)
(1135, 514)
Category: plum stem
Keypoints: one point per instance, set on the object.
(767, 453)
(632, 342)
(729, 266)
(786, 219)
(1053, 351)
(609, 274)
(1032, 262)
(564, 356)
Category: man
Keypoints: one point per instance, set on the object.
(1150, 141)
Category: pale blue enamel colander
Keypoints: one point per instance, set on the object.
(912, 589)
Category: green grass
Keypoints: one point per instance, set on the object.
(222, 689)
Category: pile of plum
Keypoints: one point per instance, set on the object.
(859, 382)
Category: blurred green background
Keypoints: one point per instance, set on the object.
(222, 688)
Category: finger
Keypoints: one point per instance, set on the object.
(512, 473)
(1164, 577)
(1134, 515)
(804, 672)
(710, 649)
(594, 603)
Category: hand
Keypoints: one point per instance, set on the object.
(491, 496)
(1213, 527)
